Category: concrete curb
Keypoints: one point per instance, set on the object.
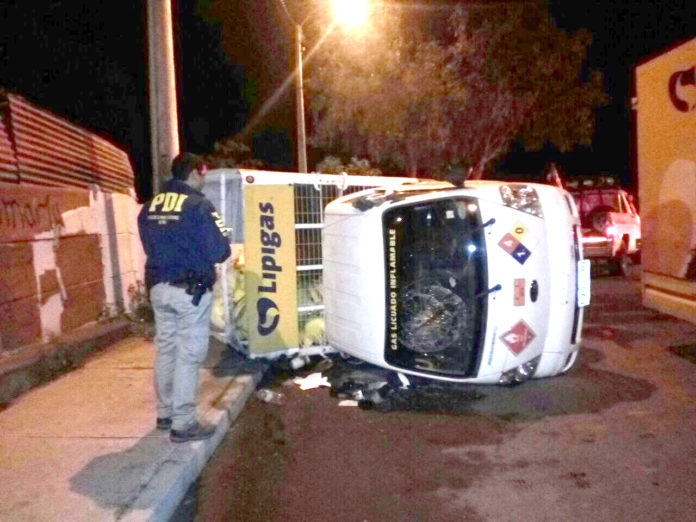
(37, 364)
(172, 476)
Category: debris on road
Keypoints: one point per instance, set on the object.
(313, 380)
(324, 364)
(298, 362)
(370, 387)
(374, 388)
(269, 396)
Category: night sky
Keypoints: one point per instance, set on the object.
(87, 61)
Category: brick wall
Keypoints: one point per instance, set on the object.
(67, 258)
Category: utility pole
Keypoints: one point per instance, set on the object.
(164, 121)
(299, 87)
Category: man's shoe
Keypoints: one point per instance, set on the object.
(164, 423)
(195, 432)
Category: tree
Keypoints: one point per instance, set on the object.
(356, 167)
(542, 65)
(385, 95)
(462, 95)
(231, 152)
(492, 114)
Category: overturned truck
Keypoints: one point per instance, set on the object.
(484, 283)
(268, 299)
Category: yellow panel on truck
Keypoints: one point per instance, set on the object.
(666, 160)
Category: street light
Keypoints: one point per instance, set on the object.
(350, 13)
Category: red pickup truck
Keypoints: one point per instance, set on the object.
(610, 222)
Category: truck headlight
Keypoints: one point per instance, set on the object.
(522, 373)
(521, 197)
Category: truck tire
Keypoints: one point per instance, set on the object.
(598, 218)
(624, 262)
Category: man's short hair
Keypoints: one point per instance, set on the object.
(184, 164)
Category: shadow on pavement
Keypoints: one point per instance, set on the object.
(232, 362)
(134, 478)
(116, 480)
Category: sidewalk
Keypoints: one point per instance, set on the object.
(84, 447)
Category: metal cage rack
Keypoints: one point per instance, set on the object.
(311, 194)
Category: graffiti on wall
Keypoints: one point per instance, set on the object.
(28, 210)
(30, 215)
(52, 268)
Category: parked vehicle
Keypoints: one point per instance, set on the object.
(484, 283)
(664, 157)
(610, 222)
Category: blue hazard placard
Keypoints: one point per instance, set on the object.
(521, 253)
(515, 248)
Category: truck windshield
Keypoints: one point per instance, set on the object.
(588, 201)
(435, 262)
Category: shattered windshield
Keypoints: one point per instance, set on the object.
(436, 273)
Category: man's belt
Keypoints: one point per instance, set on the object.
(194, 287)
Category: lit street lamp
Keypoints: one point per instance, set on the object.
(349, 13)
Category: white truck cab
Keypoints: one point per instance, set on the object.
(484, 283)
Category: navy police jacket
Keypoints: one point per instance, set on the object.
(182, 234)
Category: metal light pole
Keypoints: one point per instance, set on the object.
(352, 12)
(299, 94)
(164, 122)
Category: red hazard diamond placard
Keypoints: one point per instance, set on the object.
(518, 337)
(509, 243)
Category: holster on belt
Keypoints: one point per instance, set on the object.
(198, 284)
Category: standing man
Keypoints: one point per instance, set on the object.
(182, 235)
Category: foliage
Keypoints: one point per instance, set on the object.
(108, 312)
(492, 114)
(420, 90)
(230, 152)
(385, 96)
(355, 167)
(541, 64)
(140, 306)
(423, 99)
(140, 311)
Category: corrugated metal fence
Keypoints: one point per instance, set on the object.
(40, 148)
(9, 169)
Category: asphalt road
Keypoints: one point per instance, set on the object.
(615, 439)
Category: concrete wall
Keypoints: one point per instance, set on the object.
(666, 145)
(68, 257)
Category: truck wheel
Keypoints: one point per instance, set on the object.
(599, 218)
(624, 263)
